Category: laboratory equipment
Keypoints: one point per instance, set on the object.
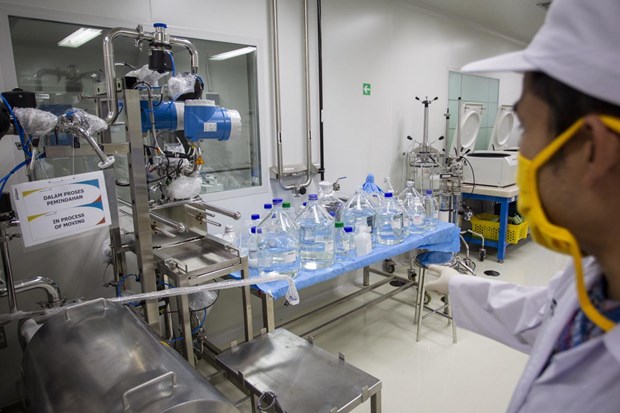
(331, 203)
(362, 239)
(502, 128)
(344, 246)
(491, 168)
(359, 209)
(316, 236)
(432, 210)
(278, 249)
(252, 246)
(389, 222)
(246, 230)
(130, 371)
(466, 132)
(230, 236)
(417, 214)
(373, 191)
(389, 187)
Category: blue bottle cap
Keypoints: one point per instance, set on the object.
(332, 213)
(370, 179)
(429, 192)
(259, 230)
(277, 201)
(305, 203)
(164, 25)
(348, 229)
(254, 217)
(388, 195)
(313, 197)
(267, 206)
(253, 230)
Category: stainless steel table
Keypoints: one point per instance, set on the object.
(304, 377)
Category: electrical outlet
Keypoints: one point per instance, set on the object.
(3, 342)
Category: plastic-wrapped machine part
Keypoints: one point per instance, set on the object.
(185, 187)
(89, 122)
(181, 84)
(202, 300)
(100, 357)
(95, 123)
(146, 75)
(36, 122)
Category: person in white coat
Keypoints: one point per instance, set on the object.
(569, 181)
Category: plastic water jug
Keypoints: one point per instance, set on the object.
(316, 236)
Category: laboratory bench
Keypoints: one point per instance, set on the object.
(502, 196)
(445, 237)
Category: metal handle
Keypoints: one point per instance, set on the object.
(171, 374)
(98, 300)
(236, 215)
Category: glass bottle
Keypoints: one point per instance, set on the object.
(432, 212)
(389, 222)
(343, 242)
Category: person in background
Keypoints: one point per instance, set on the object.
(569, 182)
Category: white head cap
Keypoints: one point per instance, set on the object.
(579, 45)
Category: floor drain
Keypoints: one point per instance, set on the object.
(397, 283)
(492, 273)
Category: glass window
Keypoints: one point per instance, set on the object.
(478, 89)
(64, 77)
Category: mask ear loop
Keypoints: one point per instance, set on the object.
(586, 305)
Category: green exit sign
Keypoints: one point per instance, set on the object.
(366, 89)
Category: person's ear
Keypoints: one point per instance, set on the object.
(604, 150)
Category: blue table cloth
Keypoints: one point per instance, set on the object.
(443, 238)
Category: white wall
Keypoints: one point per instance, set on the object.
(402, 50)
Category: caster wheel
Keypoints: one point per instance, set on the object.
(389, 266)
(427, 298)
(411, 274)
(483, 254)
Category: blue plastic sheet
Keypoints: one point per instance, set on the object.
(443, 238)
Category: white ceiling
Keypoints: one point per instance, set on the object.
(517, 19)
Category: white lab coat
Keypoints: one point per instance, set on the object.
(582, 379)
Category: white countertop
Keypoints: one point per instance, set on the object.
(506, 192)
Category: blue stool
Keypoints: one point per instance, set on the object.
(423, 260)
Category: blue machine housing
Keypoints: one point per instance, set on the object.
(200, 119)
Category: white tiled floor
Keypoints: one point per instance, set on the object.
(435, 375)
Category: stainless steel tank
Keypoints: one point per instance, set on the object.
(100, 357)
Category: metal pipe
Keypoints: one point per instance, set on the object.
(178, 226)
(276, 81)
(193, 53)
(110, 70)
(105, 160)
(278, 110)
(308, 103)
(46, 284)
(320, 61)
(236, 215)
(8, 272)
(425, 133)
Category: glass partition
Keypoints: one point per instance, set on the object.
(65, 77)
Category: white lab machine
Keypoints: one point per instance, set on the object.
(490, 168)
(470, 117)
(502, 128)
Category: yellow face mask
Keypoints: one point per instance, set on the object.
(544, 232)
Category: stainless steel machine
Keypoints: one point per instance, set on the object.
(100, 357)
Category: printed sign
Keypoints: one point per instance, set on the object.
(57, 208)
(366, 89)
